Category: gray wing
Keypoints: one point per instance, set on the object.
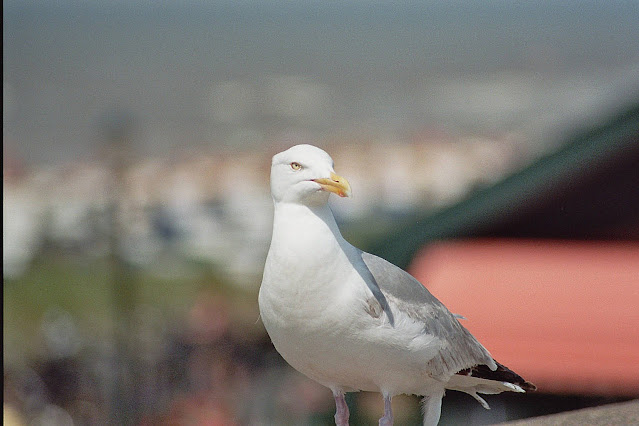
(398, 291)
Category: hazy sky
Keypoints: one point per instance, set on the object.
(401, 65)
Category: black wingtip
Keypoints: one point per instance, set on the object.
(501, 374)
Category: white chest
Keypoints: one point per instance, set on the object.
(313, 302)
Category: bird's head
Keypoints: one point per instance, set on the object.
(304, 174)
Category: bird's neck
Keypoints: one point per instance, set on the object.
(308, 233)
(304, 220)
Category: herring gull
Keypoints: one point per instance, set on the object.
(351, 320)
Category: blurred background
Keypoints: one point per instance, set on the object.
(492, 148)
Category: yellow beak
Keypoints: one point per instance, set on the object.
(336, 184)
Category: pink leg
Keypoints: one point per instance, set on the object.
(341, 412)
(387, 420)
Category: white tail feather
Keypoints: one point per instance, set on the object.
(432, 408)
(474, 386)
(481, 400)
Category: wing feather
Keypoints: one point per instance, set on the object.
(398, 291)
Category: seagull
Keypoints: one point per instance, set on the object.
(353, 321)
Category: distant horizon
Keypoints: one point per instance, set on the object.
(400, 66)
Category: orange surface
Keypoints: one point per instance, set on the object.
(564, 315)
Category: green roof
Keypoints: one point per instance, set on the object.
(585, 151)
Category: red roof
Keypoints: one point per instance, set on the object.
(564, 315)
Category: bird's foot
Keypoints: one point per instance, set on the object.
(384, 421)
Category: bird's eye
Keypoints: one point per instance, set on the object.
(296, 166)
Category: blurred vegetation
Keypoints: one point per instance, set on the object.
(82, 286)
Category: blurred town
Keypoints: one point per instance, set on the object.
(136, 204)
(216, 208)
